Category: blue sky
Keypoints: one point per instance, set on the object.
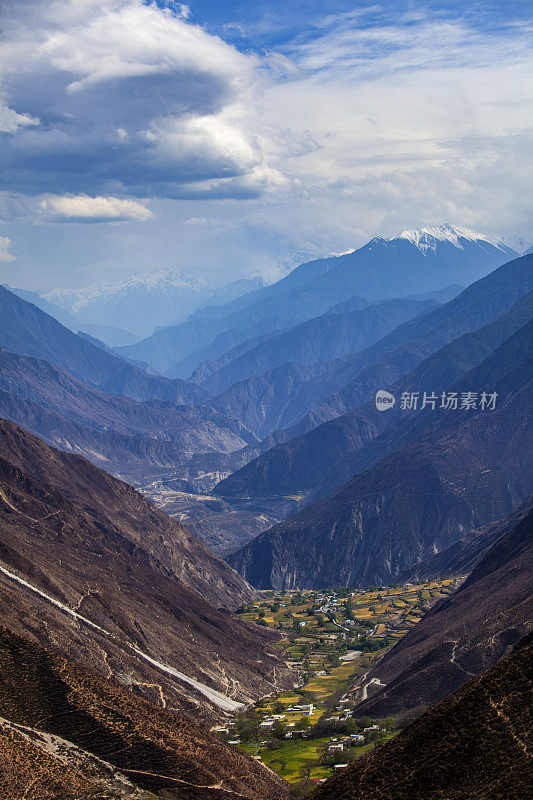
(219, 138)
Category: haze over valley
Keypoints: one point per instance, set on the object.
(266, 490)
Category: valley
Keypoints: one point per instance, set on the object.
(255, 559)
(334, 638)
(266, 392)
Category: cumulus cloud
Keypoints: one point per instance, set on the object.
(337, 126)
(5, 249)
(11, 121)
(93, 209)
(131, 98)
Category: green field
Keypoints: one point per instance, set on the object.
(368, 623)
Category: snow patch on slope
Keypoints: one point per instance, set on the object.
(217, 698)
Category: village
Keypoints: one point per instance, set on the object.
(333, 638)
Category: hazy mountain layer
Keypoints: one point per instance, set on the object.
(381, 269)
(469, 469)
(28, 331)
(300, 460)
(325, 338)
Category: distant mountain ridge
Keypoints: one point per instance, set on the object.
(323, 339)
(138, 303)
(313, 287)
(28, 331)
(116, 433)
(411, 348)
(112, 335)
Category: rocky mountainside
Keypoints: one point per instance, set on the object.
(381, 269)
(91, 568)
(28, 331)
(461, 557)
(466, 633)
(401, 360)
(470, 468)
(456, 367)
(475, 745)
(116, 433)
(66, 732)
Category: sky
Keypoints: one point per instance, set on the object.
(218, 138)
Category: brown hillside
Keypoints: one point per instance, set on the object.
(91, 543)
(153, 749)
(475, 745)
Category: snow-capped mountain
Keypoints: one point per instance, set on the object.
(427, 240)
(138, 303)
(164, 282)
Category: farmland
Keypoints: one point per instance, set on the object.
(333, 638)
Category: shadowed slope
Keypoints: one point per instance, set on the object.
(55, 702)
(475, 745)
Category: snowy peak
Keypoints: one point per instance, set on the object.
(428, 239)
(160, 282)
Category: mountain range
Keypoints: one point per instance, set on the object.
(28, 331)
(470, 467)
(249, 420)
(438, 258)
(427, 353)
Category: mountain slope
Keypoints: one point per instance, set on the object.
(377, 271)
(475, 745)
(113, 431)
(111, 335)
(457, 366)
(470, 468)
(67, 733)
(329, 454)
(461, 557)
(469, 631)
(324, 338)
(91, 568)
(358, 377)
(28, 331)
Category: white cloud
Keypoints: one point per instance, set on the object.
(366, 122)
(11, 121)
(5, 249)
(93, 209)
(133, 98)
